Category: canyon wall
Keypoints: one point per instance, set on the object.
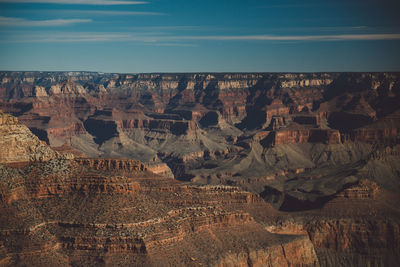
(283, 169)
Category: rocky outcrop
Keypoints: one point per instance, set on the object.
(6, 119)
(301, 250)
(297, 129)
(364, 189)
(67, 88)
(297, 136)
(67, 131)
(112, 164)
(67, 149)
(275, 108)
(19, 144)
(161, 169)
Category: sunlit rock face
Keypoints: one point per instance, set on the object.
(19, 145)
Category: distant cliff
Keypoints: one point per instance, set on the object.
(178, 118)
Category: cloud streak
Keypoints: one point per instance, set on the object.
(76, 2)
(154, 38)
(19, 22)
(114, 13)
(336, 37)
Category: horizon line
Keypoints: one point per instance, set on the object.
(202, 72)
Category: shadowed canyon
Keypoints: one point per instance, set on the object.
(207, 169)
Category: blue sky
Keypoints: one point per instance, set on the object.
(200, 35)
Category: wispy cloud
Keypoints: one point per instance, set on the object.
(316, 29)
(70, 37)
(171, 44)
(78, 2)
(19, 22)
(149, 37)
(337, 37)
(114, 13)
(304, 4)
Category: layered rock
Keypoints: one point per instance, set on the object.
(385, 130)
(209, 127)
(101, 207)
(358, 226)
(128, 165)
(301, 136)
(67, 131)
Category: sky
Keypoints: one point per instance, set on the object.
(127, 36)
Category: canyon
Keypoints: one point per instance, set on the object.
(207, 169)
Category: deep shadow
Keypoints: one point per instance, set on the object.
(294, 204)
(101, 130)
(345, 122)
(210, 119)
(41, 134)
(256, 101)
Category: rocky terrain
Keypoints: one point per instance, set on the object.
(238, 169)
(95, 212)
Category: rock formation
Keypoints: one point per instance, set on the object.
(277, 169)
(19, 145)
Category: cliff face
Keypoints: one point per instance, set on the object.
(153, 110)
(249, 99)
(301, 136)
(357, 226)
